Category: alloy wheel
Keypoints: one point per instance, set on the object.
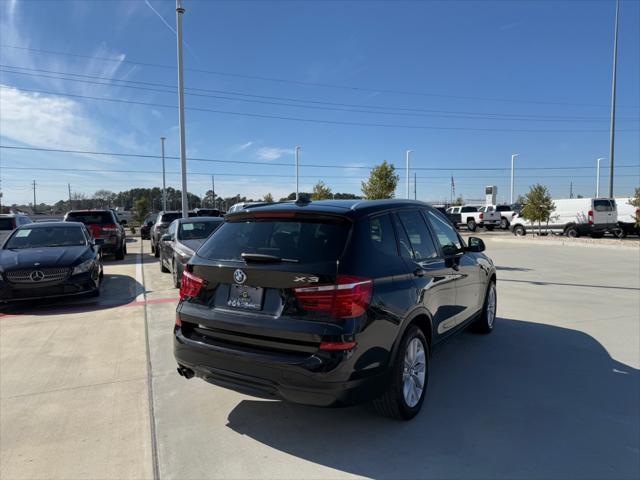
(414, 372)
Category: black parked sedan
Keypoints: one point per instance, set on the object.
(331, 302)
(54, 259)
(184, 236)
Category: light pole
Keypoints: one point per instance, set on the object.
(598, 177)
(164, 182)
(213, 190)
(298, 148)
(613, 101)
(183, 148)
(409, 152)
(513, 159)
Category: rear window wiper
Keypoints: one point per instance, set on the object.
(264, 258)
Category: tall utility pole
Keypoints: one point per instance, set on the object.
(297, 172)
(415, 186)
(183, 148)
(408, 153)
(613, 101)
(571, 189)
(34, 196)
(213, 190)
(598, 177)
(70, 204)
(513, 159)
(164, 180)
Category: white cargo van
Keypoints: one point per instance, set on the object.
(575, 217)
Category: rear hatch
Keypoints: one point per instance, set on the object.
(101, 224)
(604, 213)
(270, 281)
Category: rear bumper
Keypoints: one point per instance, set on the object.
(75, 285)
(305, 379)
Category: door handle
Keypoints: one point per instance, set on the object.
(419, 272)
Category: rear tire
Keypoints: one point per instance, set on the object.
(471, 225)
(519, 231)
(403, 397)
(571, 231)
(504, 223)
(619, 233)
(154, 249)
(487, 320)
(120, 253)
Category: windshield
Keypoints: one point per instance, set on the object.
(305, 241)
(91, 218)
(46, 237)
(197, 230)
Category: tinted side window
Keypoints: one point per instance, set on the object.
(419, 236)
(403, 240)
(445, 233)
(468, 209)
(382, 235)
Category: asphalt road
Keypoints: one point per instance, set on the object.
(552, 393)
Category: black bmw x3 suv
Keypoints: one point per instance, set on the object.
(331, 302)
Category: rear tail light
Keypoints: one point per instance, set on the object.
(190, 285)
(178, 321)
(590, 217)
(348, 298)
(481, 215)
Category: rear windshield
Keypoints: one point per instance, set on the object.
(46, 237)
(6, 223)
(301, 240)
(197, 230)
(503, 208)
(603, 206)
(169, 217)
(91, 218)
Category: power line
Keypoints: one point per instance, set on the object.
(299, 82)
(317, 105)
(307, 165)
(311, 120)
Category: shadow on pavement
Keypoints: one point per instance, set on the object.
(115, 291)
(528, 401)
(586, 285)
(513, 269)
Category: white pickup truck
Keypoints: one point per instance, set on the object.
(474, 217)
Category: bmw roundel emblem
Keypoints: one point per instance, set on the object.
(239, 276)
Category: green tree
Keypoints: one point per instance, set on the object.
(321, 191)
(268, 198)
(635, 202)
(141, 209)
(459, 200)
(382, 182)
(539, 205)
(521, 200)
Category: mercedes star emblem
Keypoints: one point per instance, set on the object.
(36, 276)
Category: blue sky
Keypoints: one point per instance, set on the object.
(463, 84)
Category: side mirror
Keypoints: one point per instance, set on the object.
(166, 237)
(98, 241)
(476, 245)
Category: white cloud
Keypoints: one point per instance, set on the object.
(273, 153)
(242, 147)
(45, 120)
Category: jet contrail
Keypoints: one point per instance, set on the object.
(170, 27)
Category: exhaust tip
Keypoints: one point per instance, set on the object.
(185, 372)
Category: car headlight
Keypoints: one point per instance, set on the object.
(83, 267)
